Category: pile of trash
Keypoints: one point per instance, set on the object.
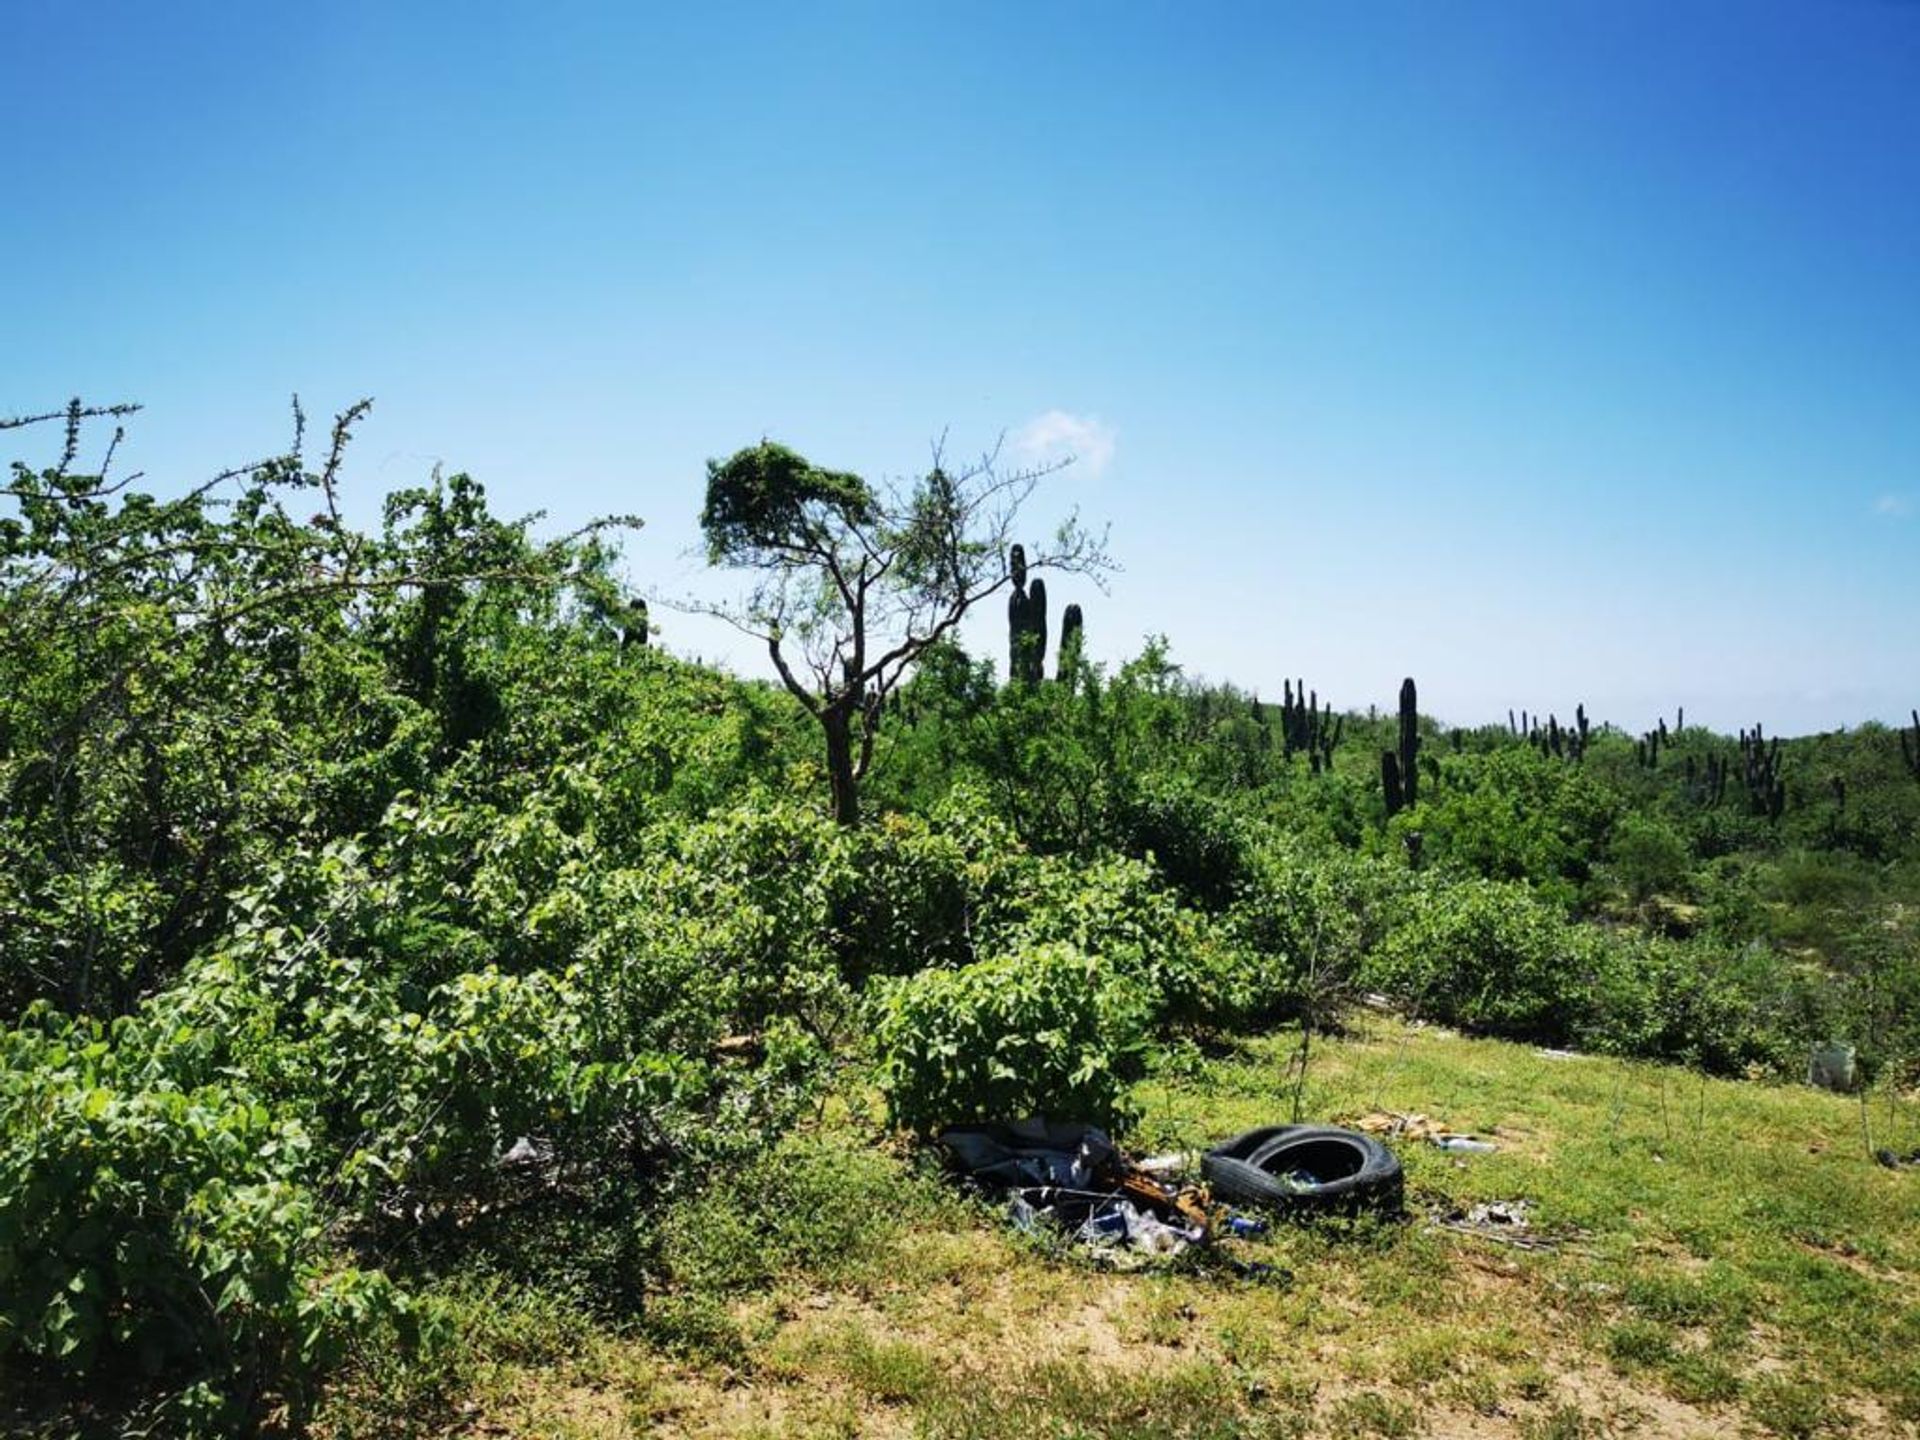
(1071, 1178)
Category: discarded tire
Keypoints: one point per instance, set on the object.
(1306, 1170)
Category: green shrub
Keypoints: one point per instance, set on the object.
(1487, 955)
(1648, 857)
(912, 905)
(1046, 1030)
(807, 1202)
(1195, 840)
(161, 1238)
(1117, 911)
(1298, 923)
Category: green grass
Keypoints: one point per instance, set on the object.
(1730, 1261)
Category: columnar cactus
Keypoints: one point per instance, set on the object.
(1760, 767)
(1307, 726)
(634, 632)
(1018, 631)
(1037, 627)
(1072, 639)
(1409, 741)
(1390, 785)
(1026, 622)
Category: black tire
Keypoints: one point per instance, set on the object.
(1306, 1170)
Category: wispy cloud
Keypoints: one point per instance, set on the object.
(1896, 506)
(1056, 435)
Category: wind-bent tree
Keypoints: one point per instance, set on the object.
(856, 581)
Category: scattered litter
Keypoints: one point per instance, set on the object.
(1396, 1126)
(1896, 1162)
(1165, 1166)
(1547, 1052)
(1505, 1222)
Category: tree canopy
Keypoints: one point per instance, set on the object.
(857, 581)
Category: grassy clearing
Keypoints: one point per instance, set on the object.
(1730, 1261)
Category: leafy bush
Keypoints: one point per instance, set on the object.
(163, 1233)
(1300, 923)
(1195, 840)
(1046, 1030)
(1488, 955)
(1118, 911)
(1515, 815)
(1649, 857)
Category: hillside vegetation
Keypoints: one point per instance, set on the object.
(410, 973)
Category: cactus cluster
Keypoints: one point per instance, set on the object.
(1561, 742)
(1760, 769)
(1307, 728)
(1027, 627)
(1400, 770)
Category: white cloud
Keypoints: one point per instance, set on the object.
(1058, 435)
(1898, 506)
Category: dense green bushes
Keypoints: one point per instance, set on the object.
(1047, 1031)
(369, 911)
(165, 1234)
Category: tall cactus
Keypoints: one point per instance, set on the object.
(1073, 639)
(1409, 742)
(1390, 784)
(1760, 768)
(634, 632)
(1306, 725)
(1026, 622)
(1017, 630)
(1037, 628)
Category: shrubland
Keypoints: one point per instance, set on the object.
(382, 916)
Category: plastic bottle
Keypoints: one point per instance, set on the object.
(1465, 1142)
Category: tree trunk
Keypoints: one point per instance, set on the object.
(846, 792)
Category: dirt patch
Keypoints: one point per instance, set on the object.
(1626, 1407)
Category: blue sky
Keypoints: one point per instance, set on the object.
(1546, 353)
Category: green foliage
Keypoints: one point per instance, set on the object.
(1516, 815)
(338, 868)
(161, 1232)
(1648, 856)
(768, 500)
(1196, 840)
(808, 1201)
(1487, 954)
(1046, 1031)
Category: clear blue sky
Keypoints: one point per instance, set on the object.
(1545, 352)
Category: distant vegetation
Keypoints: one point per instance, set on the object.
(379, 906)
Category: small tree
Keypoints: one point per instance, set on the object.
(857, 581)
